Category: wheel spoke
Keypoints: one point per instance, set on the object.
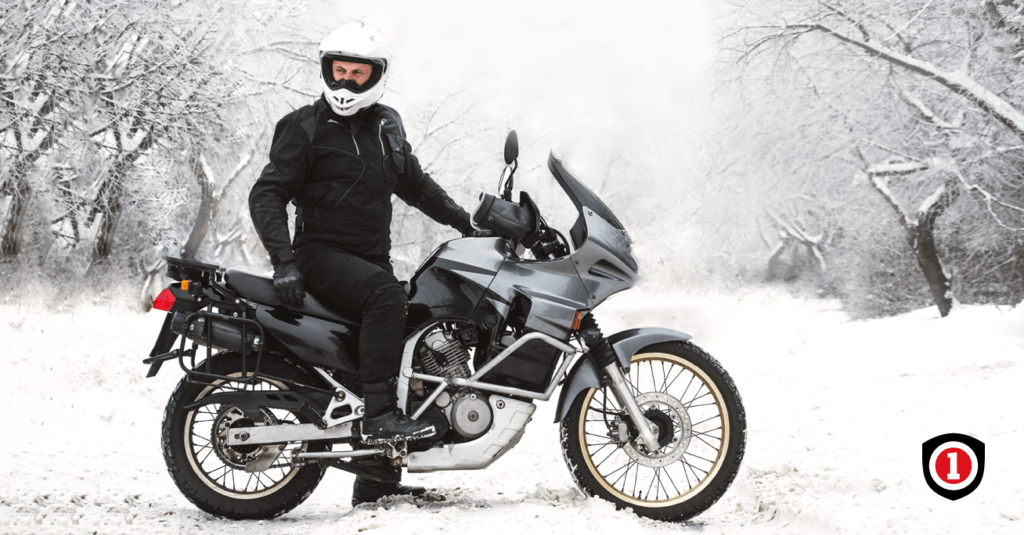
(207, 456)
(708, 433)
(699, 457)
(705, 420)
(670, 480)
(661, 483)
(652, 483)
(706, 442)
(598, 465)
(693, 471)
(628, 465)
(687, 405)
(599, 449)
(674, 379)
(688, 385)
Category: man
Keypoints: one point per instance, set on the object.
(339, 160)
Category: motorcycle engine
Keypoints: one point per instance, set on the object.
(443, 354)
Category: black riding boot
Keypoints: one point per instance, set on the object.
(366, 490)
(383, 422)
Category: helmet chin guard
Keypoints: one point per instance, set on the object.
(357, 43)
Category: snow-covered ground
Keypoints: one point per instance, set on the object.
(837, 411)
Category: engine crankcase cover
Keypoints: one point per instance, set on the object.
(471, 415)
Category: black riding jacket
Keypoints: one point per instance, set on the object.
(340, 173)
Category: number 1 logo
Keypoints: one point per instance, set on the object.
(953, 464)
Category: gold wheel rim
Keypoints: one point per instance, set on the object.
(714, 465)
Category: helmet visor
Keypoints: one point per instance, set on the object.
(350, 72)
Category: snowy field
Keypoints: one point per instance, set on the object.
(837, 411)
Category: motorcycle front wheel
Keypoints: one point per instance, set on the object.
(212, 474)
(702, 435)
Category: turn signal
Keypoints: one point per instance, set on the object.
(576, 320)
(164, 301)
(184, 285)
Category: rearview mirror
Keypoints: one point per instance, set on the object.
(511, 147)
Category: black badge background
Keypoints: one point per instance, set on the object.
(929, 447)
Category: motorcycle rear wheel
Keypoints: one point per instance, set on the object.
(211, 474)
(703, 435)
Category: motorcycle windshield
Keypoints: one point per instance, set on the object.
(581, 195)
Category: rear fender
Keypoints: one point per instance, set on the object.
(584, 374)
(250, 403)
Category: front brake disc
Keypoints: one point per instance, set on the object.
(673, 450)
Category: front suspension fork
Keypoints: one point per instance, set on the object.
(624, 395)
(604, 356)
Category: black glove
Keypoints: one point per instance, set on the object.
(288, 284)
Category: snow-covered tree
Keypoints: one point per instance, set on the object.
(918, 100)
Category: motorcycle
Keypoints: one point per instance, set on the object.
(647, 419)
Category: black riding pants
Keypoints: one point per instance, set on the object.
(366, 285)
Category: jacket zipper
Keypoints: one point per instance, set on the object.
(354, 142)
(385, 233)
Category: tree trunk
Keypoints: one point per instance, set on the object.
(923, 241)
(18, 188)
(207, 208)
(108, 201)
(921, 236)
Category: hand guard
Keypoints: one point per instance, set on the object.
(288, 284)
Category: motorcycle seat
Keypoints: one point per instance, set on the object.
(261, 290)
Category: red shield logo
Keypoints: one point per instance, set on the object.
(953, 464)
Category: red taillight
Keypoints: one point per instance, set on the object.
(164, 301)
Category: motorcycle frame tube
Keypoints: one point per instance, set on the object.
(407, 371)
(500, 389)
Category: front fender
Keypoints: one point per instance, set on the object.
(585, 375)
(627, 343)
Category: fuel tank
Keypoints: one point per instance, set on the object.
(454, 279)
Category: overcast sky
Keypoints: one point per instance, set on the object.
(596, 76)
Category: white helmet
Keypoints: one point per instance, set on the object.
(357, 43)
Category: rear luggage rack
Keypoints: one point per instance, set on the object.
(213, 329)
(222, 332)
(180, 269)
